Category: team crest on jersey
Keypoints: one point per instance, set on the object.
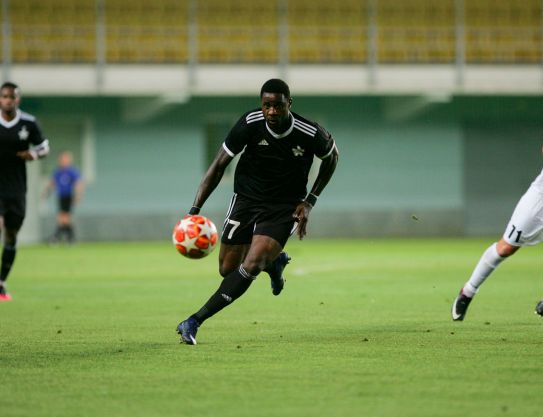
(263, 142)
(23, 133)
(297, 151)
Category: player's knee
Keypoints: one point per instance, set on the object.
(224, 270)
(227, 265)
(254, 266)
(504, 249)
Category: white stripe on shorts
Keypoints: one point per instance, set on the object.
(230, 208)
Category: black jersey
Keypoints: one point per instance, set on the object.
(17, 135)
(275, 167)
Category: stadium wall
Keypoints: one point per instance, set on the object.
(436, 165)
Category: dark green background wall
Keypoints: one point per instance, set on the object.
(457, 164)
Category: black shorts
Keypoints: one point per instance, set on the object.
(13, 210)
(65, 203)
(246, 218)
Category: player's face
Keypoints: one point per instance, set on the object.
(9, 99)
(65, 159)
(276, 110)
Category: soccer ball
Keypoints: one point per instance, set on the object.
(195, 236)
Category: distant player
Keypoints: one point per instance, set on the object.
(270, 196)
(524, 229)
(67, 183)
(21, 140)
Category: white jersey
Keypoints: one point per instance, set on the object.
(538, 182)
(526, 225)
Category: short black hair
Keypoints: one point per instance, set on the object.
(9, 84)
(275, 85)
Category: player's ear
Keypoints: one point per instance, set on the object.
(290, 102)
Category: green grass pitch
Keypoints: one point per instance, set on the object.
(362, 328)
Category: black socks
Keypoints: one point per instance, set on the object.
(66, 230)
(8, 257)
(232, 287)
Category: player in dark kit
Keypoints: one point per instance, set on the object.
(21, 140)
(270, 197)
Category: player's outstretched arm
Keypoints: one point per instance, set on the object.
(326, 170)
(211, 179)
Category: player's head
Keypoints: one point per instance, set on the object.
(65, 159)
(10, 97)
(276, 102)
(275, 85)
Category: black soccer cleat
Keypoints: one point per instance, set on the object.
(539, 308)
(460, 306)
(275, 270)
(188, 329)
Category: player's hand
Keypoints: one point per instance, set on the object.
(194, 210)
(301, 215)
(26, 155)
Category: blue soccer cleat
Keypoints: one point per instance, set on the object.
(188, 329)
(275, 270)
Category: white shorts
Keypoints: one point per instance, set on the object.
(526, 225)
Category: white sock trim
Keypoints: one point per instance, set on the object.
(469, 290)
(245, 274)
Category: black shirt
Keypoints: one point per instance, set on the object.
(17, 135)
(275, 167)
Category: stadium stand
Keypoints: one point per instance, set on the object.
(306, 31)
(53, 31)
(323, 31)
(231, 31)
(421, 31)
(140, 31)
(503, 31)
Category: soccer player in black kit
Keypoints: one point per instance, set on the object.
(270, 196)
(21, 140)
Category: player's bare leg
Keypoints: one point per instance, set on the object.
(262, 252)
(64, 228)
(231, 257)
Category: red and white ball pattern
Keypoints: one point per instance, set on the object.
(195, 236)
